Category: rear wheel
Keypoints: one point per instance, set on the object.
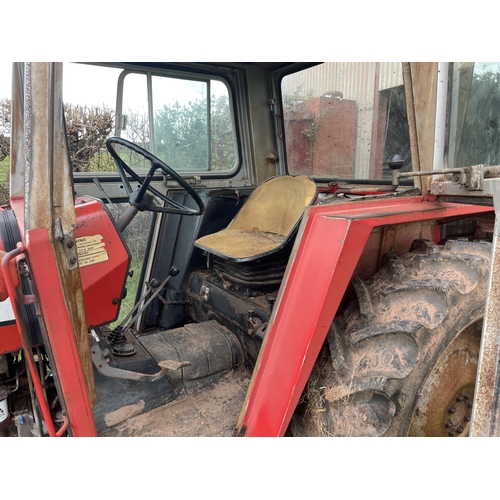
(402, 358)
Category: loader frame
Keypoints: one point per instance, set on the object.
(331, 241)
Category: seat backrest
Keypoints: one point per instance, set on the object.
(276, 205)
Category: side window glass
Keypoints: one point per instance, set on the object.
(181, 123)
(133, 121)
(186, 123)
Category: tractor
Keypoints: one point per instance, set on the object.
(251, 249)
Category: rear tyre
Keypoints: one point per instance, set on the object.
(402, 357)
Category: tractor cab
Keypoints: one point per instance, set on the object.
(222, 224)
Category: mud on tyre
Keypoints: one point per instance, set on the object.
(402, 357)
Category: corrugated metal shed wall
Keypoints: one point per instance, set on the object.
(356, 81)
(391, 75)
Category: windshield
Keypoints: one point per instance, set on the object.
(344, 120)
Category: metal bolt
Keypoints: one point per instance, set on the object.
(72, 260)
(460, 429)
(455, 178)
(115, 300)
(452, 409)
(452, 432)
(467, 418)
(469, 405)
(467, 395)
(448, 424)
(271, 158)
(70, 244)
(460, 397)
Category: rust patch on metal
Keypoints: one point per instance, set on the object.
(445, 402)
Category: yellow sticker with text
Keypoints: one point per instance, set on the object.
(91, 250)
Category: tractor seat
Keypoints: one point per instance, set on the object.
(267, 221)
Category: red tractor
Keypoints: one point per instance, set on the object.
(254, 249)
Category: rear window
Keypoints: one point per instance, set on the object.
(344, 120)
(474, 130)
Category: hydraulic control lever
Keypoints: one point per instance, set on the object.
(117, 339)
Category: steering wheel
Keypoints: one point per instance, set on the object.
(136, 198)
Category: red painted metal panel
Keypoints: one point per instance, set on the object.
(330, 242)
(10, 276)
(59, 330)
(102, 281)
(10, 340)
(17, 205)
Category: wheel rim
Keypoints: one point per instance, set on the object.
(444, 403)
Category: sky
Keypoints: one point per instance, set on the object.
(94, 86)
(5, 79)
(96, 93)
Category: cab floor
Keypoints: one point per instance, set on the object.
(211, 412)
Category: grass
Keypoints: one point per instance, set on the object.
(4, 169)
(4, 180)
(132, 284)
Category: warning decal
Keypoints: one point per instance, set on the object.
(91, 250)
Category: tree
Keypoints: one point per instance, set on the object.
(223, 147)
(5, 127)
(480, 134)
(137, 128)
(182, 139)
(87, 129)
(181, 135)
